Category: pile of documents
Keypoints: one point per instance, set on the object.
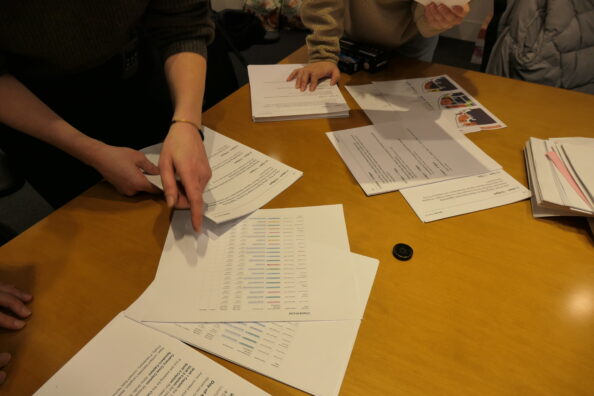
(278, 292)
(276, 99)
(438, 170)
(561, 176)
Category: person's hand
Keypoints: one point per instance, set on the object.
(123, 167)
(312, 73)
(442, 17)
(12, 300)
(183, 154)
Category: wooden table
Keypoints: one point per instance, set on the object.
(492, 303)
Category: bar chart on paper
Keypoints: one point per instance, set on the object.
(262, 266)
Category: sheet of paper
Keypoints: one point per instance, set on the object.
(392, 156)
(242, 181)
(464, 195)
(376, 105)
(568, 176)
(127, 358)
(284, 350)
(270, 267)
(581, 160)
(554, 191)
(274, 98)
(438, 98)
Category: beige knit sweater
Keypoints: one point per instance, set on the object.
(385, 23)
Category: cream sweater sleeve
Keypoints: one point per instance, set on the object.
(325, 18)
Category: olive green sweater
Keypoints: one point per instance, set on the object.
(386, 23)
(40, 38)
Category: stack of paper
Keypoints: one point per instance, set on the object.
(435, 98)
(279, 293)
(561, 176)
(276, 99)
(440, 173)
(242, 181)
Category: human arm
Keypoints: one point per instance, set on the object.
(25, 112)
(183, 151)
(325, 18)
(181, 30)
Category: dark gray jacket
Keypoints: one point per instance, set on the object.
(548, 42)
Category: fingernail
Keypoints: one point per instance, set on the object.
(170, 200)
(19, 324)
(27, 296)
(25, 311)
(5, 357)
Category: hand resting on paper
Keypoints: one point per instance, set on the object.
(312, 73)
(183, 154)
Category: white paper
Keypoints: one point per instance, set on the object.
(464, 195)
(127, 358)
(270, 267)
(437, 98)
(242, 181)
(554, 191)
(392, 156)
(580, 159)
(285, 351)
(552, 194)
(274, 98)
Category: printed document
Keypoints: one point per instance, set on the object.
(272, 266)
(392, 156)
(242, 181)
(275, 99)
(437, 98)
(127, 358)
(464, 195)
(284, 350)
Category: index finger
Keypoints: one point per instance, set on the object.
(194, 187)
(169, 183)
(292, 75)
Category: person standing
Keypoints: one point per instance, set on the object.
(405, 26)
(84, 85)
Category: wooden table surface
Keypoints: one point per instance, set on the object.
(492, 303)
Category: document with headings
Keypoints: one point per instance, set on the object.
(275, 99)
(441, 99)
(127, 358)
(392, 156)
(272, 266)
(242, 181)
(437, 98)
(311, 356)
(464, 195)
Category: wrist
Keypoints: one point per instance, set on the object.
(193, 124)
